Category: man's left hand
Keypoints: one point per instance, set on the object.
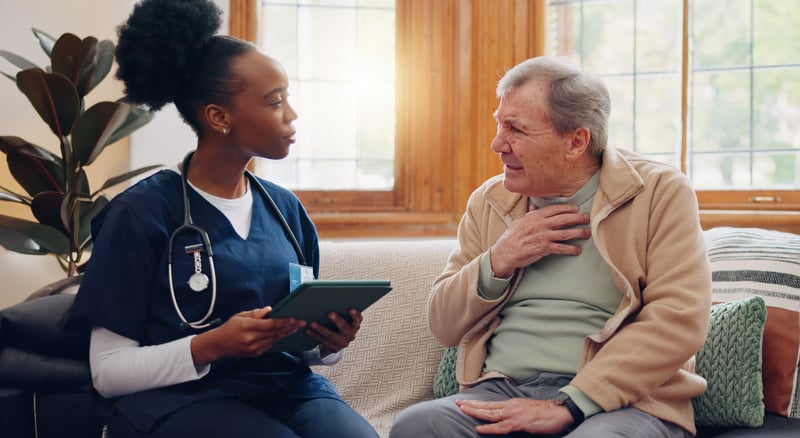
(517, 415)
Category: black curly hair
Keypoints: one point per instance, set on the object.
(168, 52)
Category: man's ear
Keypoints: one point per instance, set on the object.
(579, 142)
(217, 118)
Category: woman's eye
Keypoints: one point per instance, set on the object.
(277, 103)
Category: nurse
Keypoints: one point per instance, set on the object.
(215, 377)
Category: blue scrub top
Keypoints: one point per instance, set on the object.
(126, 287)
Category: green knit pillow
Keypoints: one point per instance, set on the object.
(730, 361)
(444, 381)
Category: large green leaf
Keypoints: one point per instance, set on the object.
(12, 144)
(77, 192)
(46, 208)
(138, 117)
(86, 65)
(46, 42)
(54, 98)
(34, 175)
(126, 176)
(33, 167)
(17, 60)
(102, 63)
(94, 128)
(88, 212)
(28, 237)
(5, 196)
(67, 57)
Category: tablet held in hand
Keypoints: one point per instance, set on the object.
(313, 300)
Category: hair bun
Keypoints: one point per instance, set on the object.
(160, 43)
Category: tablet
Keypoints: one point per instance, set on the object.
(313, 300)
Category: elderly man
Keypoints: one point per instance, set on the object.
(580, 289)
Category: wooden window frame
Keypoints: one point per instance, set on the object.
(450, 54)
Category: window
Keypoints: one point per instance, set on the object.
(711, 88)
(449, 55)
(339, 55)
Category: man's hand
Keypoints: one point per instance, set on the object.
(517, 415)
(539, 233)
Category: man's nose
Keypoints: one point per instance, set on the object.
(499, 143)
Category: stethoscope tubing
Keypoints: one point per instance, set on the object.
(189, 226)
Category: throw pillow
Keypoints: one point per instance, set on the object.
(755, 261)
(730, 361)
(444, 381)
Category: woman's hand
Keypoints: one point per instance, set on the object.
(245, 334)
(332, 341)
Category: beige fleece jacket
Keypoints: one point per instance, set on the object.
(645, 224)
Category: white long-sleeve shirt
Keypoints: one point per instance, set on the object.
(121, 366)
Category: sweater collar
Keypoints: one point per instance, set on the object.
(618, 182)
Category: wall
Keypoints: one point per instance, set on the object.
(163, 141)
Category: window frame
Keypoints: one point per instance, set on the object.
(445, 99)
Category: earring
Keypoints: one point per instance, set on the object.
(224, 131)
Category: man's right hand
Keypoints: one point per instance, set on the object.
(539, 233)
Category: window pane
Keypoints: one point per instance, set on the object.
(776, 170)
(635, 47)
(720, 111)
(620, 131)
(720, 33)
(776, 31)
(658, 45)
(658, 109)
(604, 22)
(340, 58)
(721, 171)
(777, 108)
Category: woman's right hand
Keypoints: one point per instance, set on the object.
(245, 334)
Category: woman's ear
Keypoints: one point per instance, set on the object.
(217, 119)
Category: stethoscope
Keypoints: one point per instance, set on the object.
(199, 281)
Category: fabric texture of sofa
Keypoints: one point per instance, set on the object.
(395, 361)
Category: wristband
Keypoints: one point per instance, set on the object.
(576, 412)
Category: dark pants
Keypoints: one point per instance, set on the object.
(286, 418)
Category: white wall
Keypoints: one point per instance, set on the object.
(163, 141)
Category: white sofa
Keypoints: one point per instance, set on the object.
(392, 362)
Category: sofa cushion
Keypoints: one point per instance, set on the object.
(730, 361)
(40, 326)
(444, 382)
(391, 363)
(755, 261)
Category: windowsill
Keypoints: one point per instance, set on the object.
(406, 224)
(788, 221)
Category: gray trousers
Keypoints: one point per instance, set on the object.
(441, 418)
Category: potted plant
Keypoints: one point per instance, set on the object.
(56, 186)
